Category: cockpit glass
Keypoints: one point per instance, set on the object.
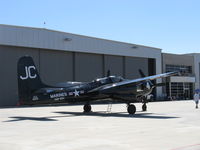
(116, 79)
(101, 80)
(110, 79)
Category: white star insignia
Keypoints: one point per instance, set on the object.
(76, 93)
(148, 85)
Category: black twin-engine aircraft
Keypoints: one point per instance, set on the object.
(33, 91)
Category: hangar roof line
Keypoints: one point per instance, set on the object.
(58, 40)
(80, 35)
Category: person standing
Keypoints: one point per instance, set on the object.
(196, 99)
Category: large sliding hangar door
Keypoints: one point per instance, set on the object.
(8, 72)
(88, 66)
(55, 66)
(115, 64)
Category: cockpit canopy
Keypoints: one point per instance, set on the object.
(116, 79)
(110, 79)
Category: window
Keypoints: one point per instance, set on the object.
(187, 69)
(180, 90)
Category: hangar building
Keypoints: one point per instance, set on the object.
(196, 57)
(62, 56)
(181, 87)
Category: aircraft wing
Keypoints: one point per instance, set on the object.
(128, 83)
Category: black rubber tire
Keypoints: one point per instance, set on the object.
(87, 108)
(131, 109)
(144, 107)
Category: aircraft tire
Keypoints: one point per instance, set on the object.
(144, 107)
(131, 109)
(87, 108)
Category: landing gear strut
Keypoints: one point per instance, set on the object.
(144, 107)
(87, 108)
(131, 109)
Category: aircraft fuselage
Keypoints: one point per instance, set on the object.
(82, 92)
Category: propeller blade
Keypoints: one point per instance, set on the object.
(141, 73)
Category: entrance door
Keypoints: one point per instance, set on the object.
(186, 93)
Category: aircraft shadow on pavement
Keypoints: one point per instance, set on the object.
(118, 114)
(21, 118)
(98, 114)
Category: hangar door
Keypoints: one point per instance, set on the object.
(133, 64)
(9, 56)
(114, 64)
(56, 66)
(88, 66)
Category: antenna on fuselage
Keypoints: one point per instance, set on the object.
(108, 73)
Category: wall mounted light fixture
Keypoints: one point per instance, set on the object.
(67, 39)
(134, 46)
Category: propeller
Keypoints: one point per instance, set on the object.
(141, 73)
(148, 83)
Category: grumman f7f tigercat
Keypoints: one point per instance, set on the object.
(33, 91)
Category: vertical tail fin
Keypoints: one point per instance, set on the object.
(28, 78)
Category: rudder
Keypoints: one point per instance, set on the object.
(28, 79)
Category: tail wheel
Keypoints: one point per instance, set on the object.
(144, 107)
(131, 109)
(87, 108)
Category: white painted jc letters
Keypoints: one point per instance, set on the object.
(28, 73)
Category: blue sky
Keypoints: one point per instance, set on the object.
(172, 25)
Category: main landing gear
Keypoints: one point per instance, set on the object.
(144, 107)
(131, 109)
(87, 108)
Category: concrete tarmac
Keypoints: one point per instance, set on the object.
(165, 126)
